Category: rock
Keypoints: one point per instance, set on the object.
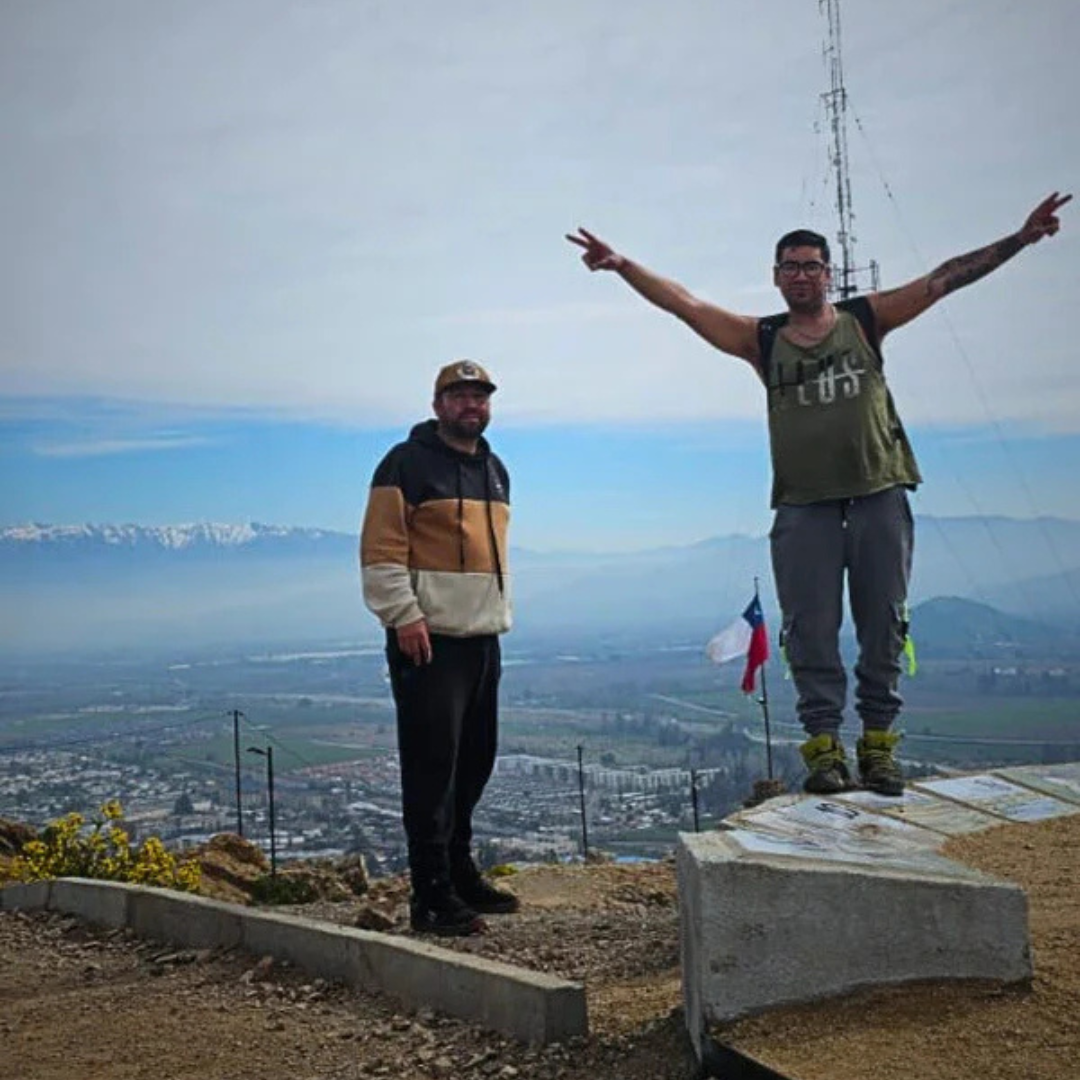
(13, 836)
(230, 867)
(353, 872)
(175, 958)
(371, 918)
(763, 791)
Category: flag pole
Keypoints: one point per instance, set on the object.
(763, 701)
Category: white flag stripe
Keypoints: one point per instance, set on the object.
(731, 643)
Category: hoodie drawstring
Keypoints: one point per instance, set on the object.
(460, 521)
(491, 524)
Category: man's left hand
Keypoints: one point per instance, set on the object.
(1043, 220)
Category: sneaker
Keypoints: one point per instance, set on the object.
(878, 770)
(443, 913)
(480, 894)
(824, 757)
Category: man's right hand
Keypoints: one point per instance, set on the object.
(598, 255)
(415, 642)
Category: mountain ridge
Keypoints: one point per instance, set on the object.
(64, 585)
(181, 535)
(173, 537)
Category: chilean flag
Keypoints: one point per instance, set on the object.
(746, 636)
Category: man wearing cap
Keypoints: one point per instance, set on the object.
(433, 562)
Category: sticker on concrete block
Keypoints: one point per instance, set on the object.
(828, 829)
(827, 846)
(1062, 781)
(922, 808)
(834, 817)
(1001, 797)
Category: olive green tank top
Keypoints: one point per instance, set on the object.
(834, 432)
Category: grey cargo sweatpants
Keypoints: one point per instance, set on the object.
(871, 539)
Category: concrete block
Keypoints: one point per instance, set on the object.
(26, 896)
(762, 928)
(184, 919)
(526, 1005)
(104, 903)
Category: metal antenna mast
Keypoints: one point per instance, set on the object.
(845, 283)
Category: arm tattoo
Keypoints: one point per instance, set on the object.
(964, 269)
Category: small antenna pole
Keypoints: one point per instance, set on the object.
(845, 275)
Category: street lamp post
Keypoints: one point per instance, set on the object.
(236, 714)
(268, 753)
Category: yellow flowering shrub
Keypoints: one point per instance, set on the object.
(67, 848)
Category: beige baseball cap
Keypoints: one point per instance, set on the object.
(462, 371)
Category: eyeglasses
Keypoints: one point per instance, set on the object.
(812, 268)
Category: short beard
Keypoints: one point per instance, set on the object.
(458, 430)
(807, 307)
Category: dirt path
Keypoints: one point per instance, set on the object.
(76, 1004)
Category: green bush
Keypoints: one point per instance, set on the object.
(283, 889)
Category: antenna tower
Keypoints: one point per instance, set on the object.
(845, 283)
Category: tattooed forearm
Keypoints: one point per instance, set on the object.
(964, 269)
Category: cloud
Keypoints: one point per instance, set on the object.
(309, 216)
(109, 447)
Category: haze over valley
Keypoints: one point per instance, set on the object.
(135, 658)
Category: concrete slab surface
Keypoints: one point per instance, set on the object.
(818, 828)
(925, 809)
(1062, 781)
(994, 795)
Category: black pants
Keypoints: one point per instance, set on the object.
(447, 722)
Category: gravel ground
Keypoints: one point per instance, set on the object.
(80, 1003)
(86, 1004)
(961, 1031)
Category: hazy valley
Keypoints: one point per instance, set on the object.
(135, 659)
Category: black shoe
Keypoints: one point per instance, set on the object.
(443, 913)
(480, 894)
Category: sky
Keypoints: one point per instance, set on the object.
(241, 237)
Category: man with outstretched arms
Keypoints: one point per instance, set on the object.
(842, 468)
(433, 556)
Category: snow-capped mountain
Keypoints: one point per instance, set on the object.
(69, 585)
(164, 537)
(76, 585)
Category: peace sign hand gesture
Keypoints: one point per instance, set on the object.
(598, 255)
(1043, 220)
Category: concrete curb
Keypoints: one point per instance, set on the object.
(530, 1006)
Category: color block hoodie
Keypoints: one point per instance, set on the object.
(434, 540)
